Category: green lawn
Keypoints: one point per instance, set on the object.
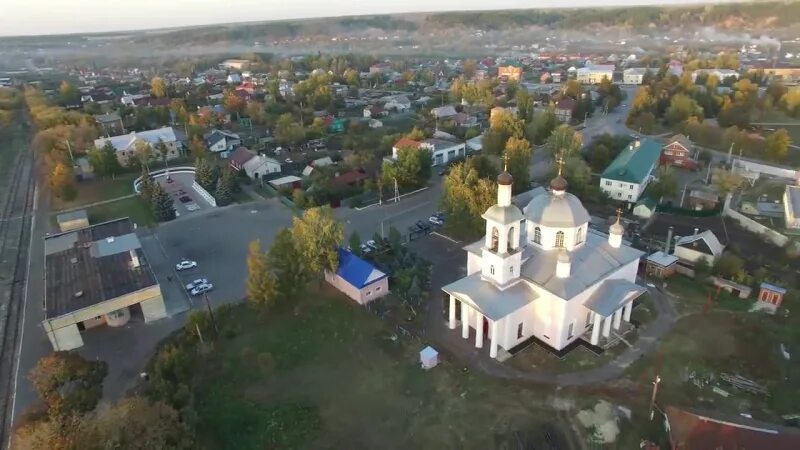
(691, 296)
(133, 207)
(780, 117)
(326, 373)
(97, 191)
(13, 140)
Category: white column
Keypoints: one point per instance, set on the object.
(479, 331)
(493, 347)
(452, 312)
(626, 314)
(464, 320)
(617, 318)
(596, 329)
(607, 326)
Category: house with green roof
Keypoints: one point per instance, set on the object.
(631, 171)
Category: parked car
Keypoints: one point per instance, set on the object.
(423, 226)
(372, 244)
(185, 264)
(288, 160)
(195, 283)
(435, 221)
(365, 250)
(202, 289)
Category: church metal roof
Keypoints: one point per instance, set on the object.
(611, 295)
(487, 298)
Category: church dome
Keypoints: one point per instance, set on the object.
(504, 179)
(561, 210)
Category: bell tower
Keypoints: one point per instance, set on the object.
(501, 256)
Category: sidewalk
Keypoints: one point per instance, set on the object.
(478, 359)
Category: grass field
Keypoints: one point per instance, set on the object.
(326, 373)
(691, 296)
(97, 191)
(133, 207)
(775, 116)
(13, 140)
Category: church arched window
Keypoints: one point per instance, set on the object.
(495, 239)
(560, 239)
(579, 236)
(510, 240)
(537, 235)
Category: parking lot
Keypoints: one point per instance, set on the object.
(217, 240)
(185, 199)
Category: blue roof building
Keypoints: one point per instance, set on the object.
(358, 279)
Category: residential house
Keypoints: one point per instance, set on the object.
(110, 123)
(721, 74)
(631, 171)
(373, 111)
(700, 199)
(399, 103)
(675, 68)
(463, 119)
(358, 279)
(444, 151)
(770, 296)
(351, 178)
(375, 123)
(679, 152)
(125, 145)
(404, 143)
(661, 264)
(444, 112)
(235, 64)
(564, 108)
(234, 78)
(691, 429)
(635, 75)
(645, 207)
(222, 142)
(594, 73)
(255, 166)
(510, 72)
(791, 206)
(705, 245)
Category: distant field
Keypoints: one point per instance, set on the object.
(780, 117)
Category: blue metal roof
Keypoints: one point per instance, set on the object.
(356, 271)
(773, 288)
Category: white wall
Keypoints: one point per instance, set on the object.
(618, 190)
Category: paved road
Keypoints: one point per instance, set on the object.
(611, 123)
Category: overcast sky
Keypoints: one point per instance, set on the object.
(33, 17)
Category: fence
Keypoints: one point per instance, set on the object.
(156, 173)
(751, 225)
(204, 193)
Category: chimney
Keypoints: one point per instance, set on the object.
(696, 230)
(668, 244)
(134, 259)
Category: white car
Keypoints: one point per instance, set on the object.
(288, 160)
(371, 244)
(185, 264)
(195, 283)
(366, 250)
(435, 220)
(202, 289)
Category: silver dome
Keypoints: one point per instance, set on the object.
(556, 211)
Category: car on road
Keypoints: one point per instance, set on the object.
(185, 199)
(435, 221)
(202, 289)
(372, 244)
(195, 283)
(365, 250)
(186, 264)
(423, 226)
(288, 160)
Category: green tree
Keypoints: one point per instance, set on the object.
(483, 165)
(158, 87)
(288, 270)
(317, 236)
(67, 93)
(416, 134)
(777, 145)
(666, 184)
(493, 142)
(507, 123)
(161, 203)
(104, 160)
(519, 155)
(355, 243)
(564, 139)
(790, 101)
(728, 265)
(542, 126)
(395, 239)
(465, 198)
(260, 279)
(146, 185)
(162, 151)
(726, 182)
(68, 384)
(197, 148)
(62, 181)
(470, 66)
(287, 131)
(411, 169)
(681, 107)
(205, 175)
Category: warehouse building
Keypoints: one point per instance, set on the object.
(96, 276)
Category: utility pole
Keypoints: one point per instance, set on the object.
(211, 314)
(69, 149)
(396, 192)
(653, 398)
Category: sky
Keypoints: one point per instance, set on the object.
(36, 17)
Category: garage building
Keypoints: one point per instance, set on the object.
(97, 275)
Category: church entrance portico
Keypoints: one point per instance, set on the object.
(469, 317)
(603, 324)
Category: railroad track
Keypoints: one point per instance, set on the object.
(15, 229)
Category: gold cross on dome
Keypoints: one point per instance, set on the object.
(560, 162)
(505, 161)
(619, 214)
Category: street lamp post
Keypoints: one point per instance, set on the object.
(653, 397)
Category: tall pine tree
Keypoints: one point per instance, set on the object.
(162, 204)
(223, 194)
(260, 280)
(205, 175)
(146, 185)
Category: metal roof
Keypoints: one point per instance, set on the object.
(487, 298)
(611, 295)
(357, 272)
(633, 164)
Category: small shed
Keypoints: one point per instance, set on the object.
(771, 296)
(735, 289)
(358, 279)
(661, 265)
(428, 358)
(287, 181)
(72, 220)
(645, 208)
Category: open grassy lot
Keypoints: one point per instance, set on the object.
(775, 116)
(133, 207)
(97, 191)
(13, 141)
(691, 296)
(326, 373)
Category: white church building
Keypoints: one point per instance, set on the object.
(543, 274)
